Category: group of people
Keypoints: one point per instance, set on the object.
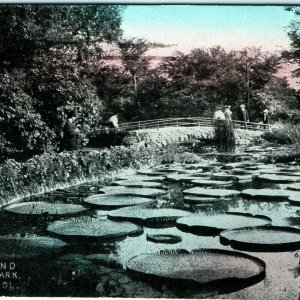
(71, 134)
(242, 115)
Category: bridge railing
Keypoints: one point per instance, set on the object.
(187, 122)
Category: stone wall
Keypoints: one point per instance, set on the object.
(168, 135)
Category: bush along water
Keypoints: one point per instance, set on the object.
(51, 170)
(224, 136)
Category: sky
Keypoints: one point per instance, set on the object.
(201, 26)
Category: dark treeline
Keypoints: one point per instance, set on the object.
(53, 61)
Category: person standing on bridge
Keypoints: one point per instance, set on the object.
(265, 118)
(243, 115)
(113, 121)
(228, 113)
(219, 115)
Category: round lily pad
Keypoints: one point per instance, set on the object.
(203, 200)
(266, 194)
(122, 190)
(150, 172)
(185, 177)
(93, 229)
(279, 178)
(141, 178)
(294, 187)
(164, 238)
(40, 208)
(213, 224)
(113, 202)
(234, 165)
(211, 192)
(225, 176)
(262, 238)
(218, 270)
(147, 216)
(29, 246)
(240, 171)
(295, 200)
(209, 182)
(135, 183)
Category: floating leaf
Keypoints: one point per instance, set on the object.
(141, 178)
(112, 202)
(211, 192)
(135, 183)
(262, 238)
(186, 177)
(39, 208)
(213, 224)
(122, 190)
(267, 194)
(225, 176)
(147, 215)
(164, 238)
(93, 228)
(203, 200)
(279, 178)
(208, 182)
(218, 270)
(28, 246)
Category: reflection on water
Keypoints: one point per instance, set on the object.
(63, 273)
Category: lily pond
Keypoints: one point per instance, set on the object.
(228, 227)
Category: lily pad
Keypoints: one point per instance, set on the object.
(240, 171)
(295, 200)
(147, 216)
(113, 202)
(134, 183)
(266, 194)
(141, 178)
(213, 224)
(203, 200)
(294, 187)
(164, 238)
(235, 165)
(218, 270)
(93, 229)
(122, 190)
(40, 208)
(150, 172)
(262, 238)
(225, 176)
(29, 246)
(187, 177)
(211, 192)
(208, 182)
(279, 178)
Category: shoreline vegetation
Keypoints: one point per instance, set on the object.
(51, 170)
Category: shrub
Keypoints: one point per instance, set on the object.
(106, 137)
(224, 136)
(284, 134)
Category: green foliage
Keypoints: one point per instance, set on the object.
(106, 138)
(48, 170)
(284, 134)
(49, 56)
(224, 136)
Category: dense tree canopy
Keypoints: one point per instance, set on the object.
(53, 60)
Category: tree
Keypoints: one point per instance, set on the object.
(132, 54)
(49, 55)
(214, 76)
(29, 30)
